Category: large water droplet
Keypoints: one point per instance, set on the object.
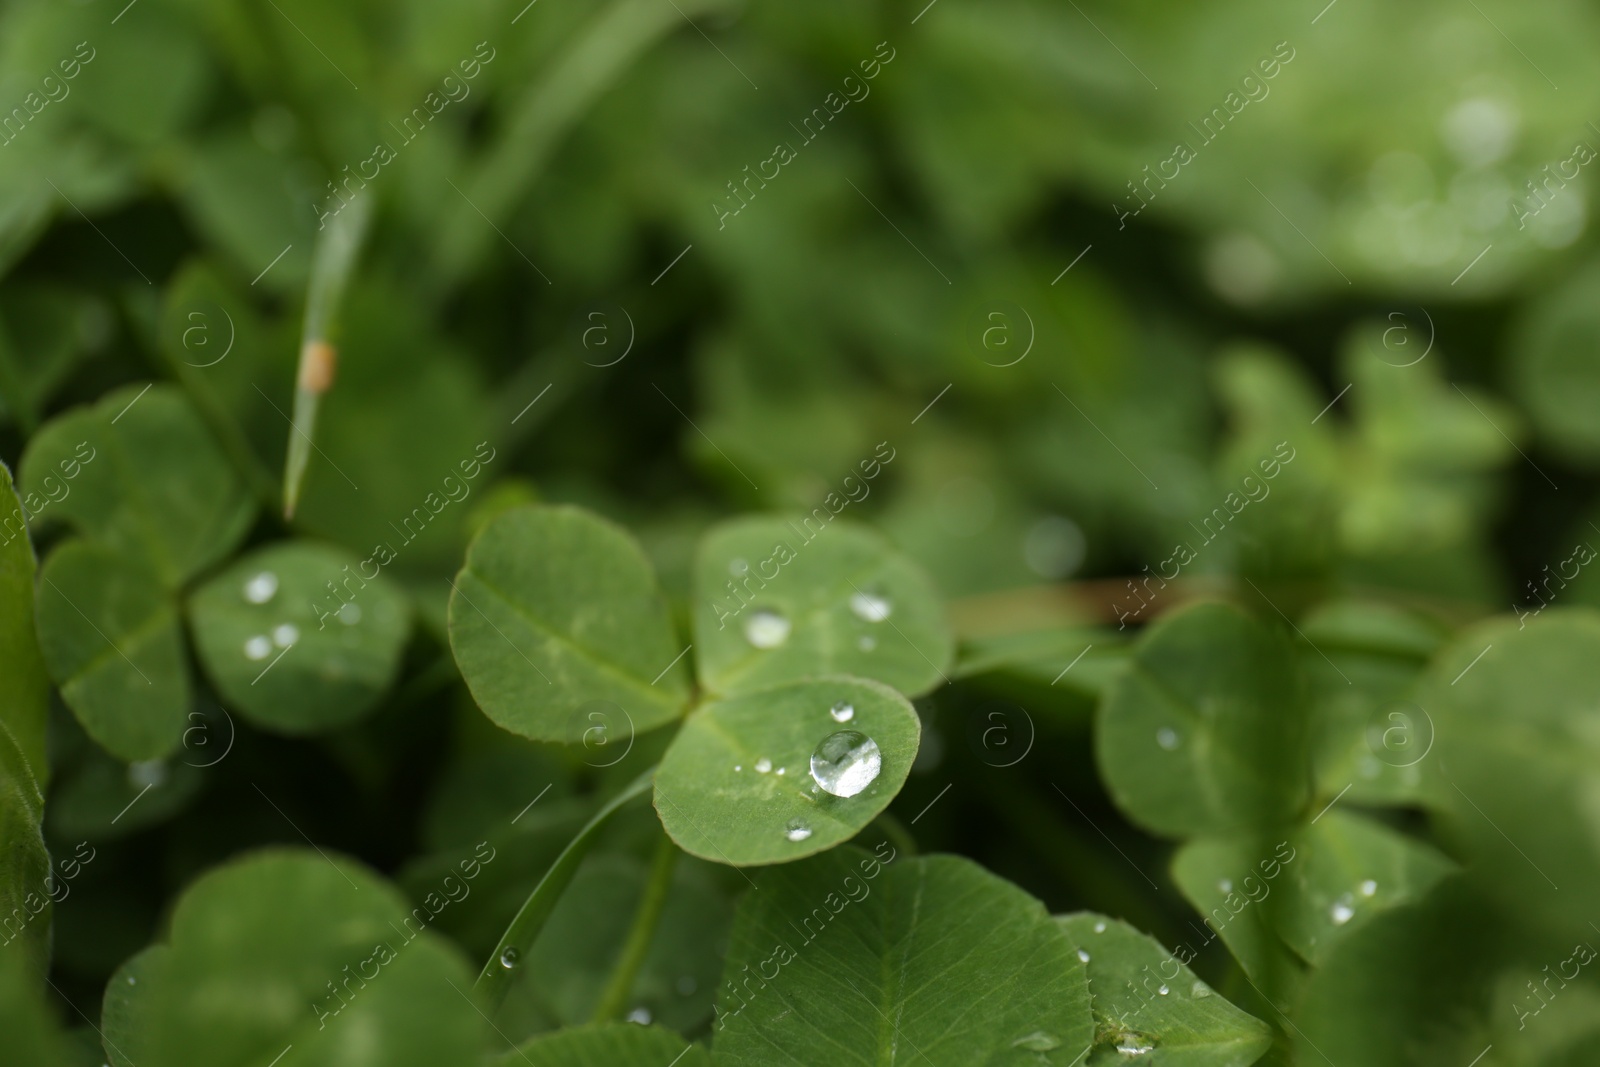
(845, 763)
(1132, 1044)
(797, 830)
(766, 629)
(843, 711)
(763, 765)
(509, 957)
(259, 589)
(1167, 738)
(285, 634)
(1341, 912)
(869, 607)
(1082, 955)
(257, 647)
(1038, 1041)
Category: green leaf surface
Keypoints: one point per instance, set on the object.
(1519, 750)
(122, 1033)
(607, 1045)
(1349, 868)
(33, 1036)
(140, 473)
(287, 952)
(557, 612)
(24, 685)
(297, 638)
(110, 636)
(1144, 997)
(737, 787)
(1205, 732)
(1240, 888)
(777, 600)
(843, 960)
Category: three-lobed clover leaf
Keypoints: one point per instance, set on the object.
(848, 959)
(776, 600)
(775, 774)
(1147, 1002)
(1205, 730)
(285, 952)
(111, 637)
(299, 637)
(141, 474)
(556, 613)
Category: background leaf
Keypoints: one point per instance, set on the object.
(110, 635)
(338, 634)
(607, 1045)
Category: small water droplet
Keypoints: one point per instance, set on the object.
(867, 643)
(843, 711)
(1368, 887)
(1341, 912)
(148, 773)
(1100, 928)
(1225, 885)
(509, 957)
(132, 980)
(1163, 990)
(781, 770)
(1167, 738)
(797, 830)
(1200, 991)
(1082, 955)
(258, 647)
(285, 635)
(846, 762)
(640, 1015)
(738, 766)
(738, 566)
(869, 607)
(349, 614)
(763, 765)
(1038, 1041)
(766, 629)
(260, 588)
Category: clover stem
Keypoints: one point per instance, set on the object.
(615, 995)
(494, 980)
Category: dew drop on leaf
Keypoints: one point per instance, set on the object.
(797, 830)
(843, 711)
(738, 566)
(1163, 990)
(1341, 912)
(1225, 885)
(1368, 887)
(763, 765)
(509, 956)
(640, 1015)
(1200, 991)
(870, 607)
(257, 647)
(766, 629)
(1038, 1041)
(285, 635)
(1100, 928)
(1082, 955)
(846, 762)
(1167, 738)
(147, 774)
(260, 588)
(1132, 1044)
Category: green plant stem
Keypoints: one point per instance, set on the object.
(615, 995)
(494, 981)
(331, 266)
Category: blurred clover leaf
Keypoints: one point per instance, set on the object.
(607, 1045)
